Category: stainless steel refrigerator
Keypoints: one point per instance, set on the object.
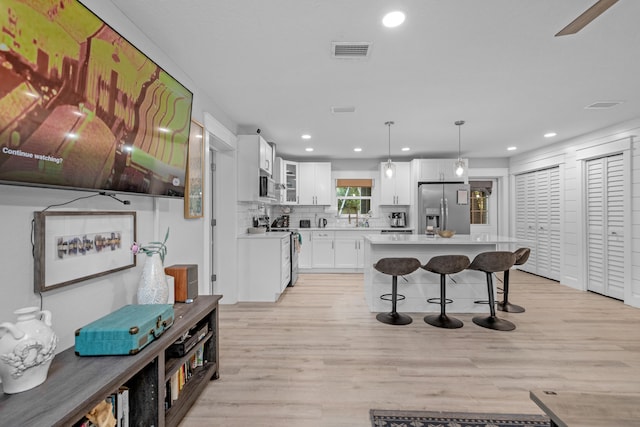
(445, 206)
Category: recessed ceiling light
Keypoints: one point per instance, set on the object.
(512, 148)
(306, 136)
(357, 149)
(309, 149)
(550, 134)
(406, 148)
(393, 19)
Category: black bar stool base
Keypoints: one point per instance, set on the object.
(510, 308)
(443, 321)
(492, 322)
(394, 318)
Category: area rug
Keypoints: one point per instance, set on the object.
(385, 418)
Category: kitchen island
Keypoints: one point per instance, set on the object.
(463, 288)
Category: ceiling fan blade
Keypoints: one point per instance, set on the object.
(587, 16)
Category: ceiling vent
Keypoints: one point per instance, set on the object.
(350, 50)
(602, 105)
(343, 109)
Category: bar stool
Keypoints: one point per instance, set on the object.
(522, 255)
(443, 265)
(395, 267)
(492, 262)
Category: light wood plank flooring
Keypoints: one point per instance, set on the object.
(318, 357)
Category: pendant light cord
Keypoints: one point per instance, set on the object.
(459, 123)
(389, 123)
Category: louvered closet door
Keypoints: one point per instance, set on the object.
(532, 232)
(543, 256)
(554, 223)
(538, 220)
(521, 208)
(605, 226)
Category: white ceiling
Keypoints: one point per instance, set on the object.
(493, 63)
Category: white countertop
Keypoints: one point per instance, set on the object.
(364, 229)
(269, 235)
(280, 234)
(421, 239)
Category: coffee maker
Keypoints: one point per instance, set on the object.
(398, 219)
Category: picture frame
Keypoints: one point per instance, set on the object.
(194, 186)
(74, 246)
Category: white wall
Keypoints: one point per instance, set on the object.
(76, 305)
(566, 155)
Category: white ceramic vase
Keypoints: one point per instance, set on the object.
(26, 350)
(153, 288)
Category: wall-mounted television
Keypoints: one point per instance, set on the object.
(81, 107)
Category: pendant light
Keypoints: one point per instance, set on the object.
(460, 166)
(389, 167)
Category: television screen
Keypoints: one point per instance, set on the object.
(81, 107)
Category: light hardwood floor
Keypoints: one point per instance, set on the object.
(318, 357)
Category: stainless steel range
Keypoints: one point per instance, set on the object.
(294, 237)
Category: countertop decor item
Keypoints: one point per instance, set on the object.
(26, 350)
(153, 287)
(446, 233)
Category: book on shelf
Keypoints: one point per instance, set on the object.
(181, 376)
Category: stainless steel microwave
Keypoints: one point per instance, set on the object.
(267, 187)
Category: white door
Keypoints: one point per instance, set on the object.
(488, 224)
(212, 225)
(605, 225)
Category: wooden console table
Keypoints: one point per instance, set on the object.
(572, 409)
(76, 384)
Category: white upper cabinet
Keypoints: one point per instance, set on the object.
(396, 190)
(314, 183)
(437, 170)
(252, 159)
(286, 175)
(266, 156)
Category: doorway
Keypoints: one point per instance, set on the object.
(484, 210)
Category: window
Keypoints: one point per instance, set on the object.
(353, 196)
(479, 209)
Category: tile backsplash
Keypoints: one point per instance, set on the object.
(247, 210)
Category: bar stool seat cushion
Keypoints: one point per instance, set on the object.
(492, 262)
(447, 264)
(397, 266)
(522, 256)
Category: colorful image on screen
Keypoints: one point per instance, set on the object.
(81, 107)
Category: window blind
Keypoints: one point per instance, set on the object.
(354, 182)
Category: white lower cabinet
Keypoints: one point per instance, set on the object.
(306, 250)
(266, 267)
(322, 249)
(332, 250)
(349, 249)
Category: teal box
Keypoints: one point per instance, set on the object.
(125, 331)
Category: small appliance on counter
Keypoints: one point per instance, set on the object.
(281, 222)
(322, 222)
(261, 221)
(305, 223)
(398, 219)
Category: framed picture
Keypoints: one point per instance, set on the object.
(70, 247)
(193, 195)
